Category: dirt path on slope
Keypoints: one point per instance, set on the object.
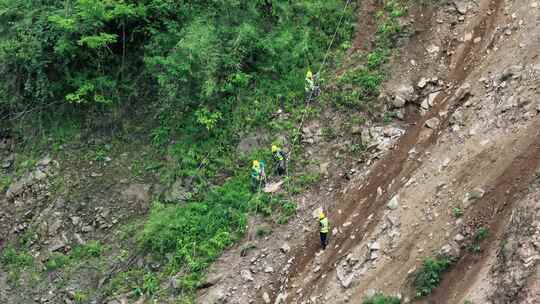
(391, 172)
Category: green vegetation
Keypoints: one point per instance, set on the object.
(16, 262)
(5, 181)
(357, 87)
(12, 258)
(79, 297)
(92, 249)
(56, 261)
(263, 231)
(479, 235)
(457, 212)
(429, 275)
(381, 299)
(196, 234)
(196, 76)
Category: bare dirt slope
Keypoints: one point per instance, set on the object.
(472, 70)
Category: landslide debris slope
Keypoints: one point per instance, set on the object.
(459, 182)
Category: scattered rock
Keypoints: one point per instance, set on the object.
(57, 244)
(266, 297)
(177, 193)
(75, 220)
(431, 98)
(45, 161)
(8, 161)
(461, 6)
(513, 71)
(433, 49)
(356, 130)
(425, 104)
(323, 168)
(398, 102)
(273, 187)
(246, 275)
(285, 248)
(462, 92)
(423, 82)
(281, 298)
(137, 192)
(433, 123)
(87, 229)
(344, 279)
(251, 142)
(508, 104)
(459, 238)
(405, 92)
(375, 246)
(393, 204)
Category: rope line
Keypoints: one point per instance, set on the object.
(302, 119)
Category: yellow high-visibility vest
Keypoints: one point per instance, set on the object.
(324, 225)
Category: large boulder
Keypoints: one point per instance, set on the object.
(137, 192)
(251, 142)
(402, 95)
(177, 192)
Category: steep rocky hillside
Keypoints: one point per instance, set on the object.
(457, 181)
(432, 192)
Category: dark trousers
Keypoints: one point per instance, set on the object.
(324, 240)
(280, 167)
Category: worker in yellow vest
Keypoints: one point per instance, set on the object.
(324, 226)
(311, 87)
(280, 160)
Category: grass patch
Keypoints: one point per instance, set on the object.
(56, 260)
(5, 181)
(428, 277)
(16, 262)
(479, 235)
(263, 231)
(357, 88)
(457, 212)
(381, 299)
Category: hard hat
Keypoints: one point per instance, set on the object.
(309, 74)
(321, 215)
(255, 163)
(274, 148)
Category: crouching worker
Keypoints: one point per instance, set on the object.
(258, 176)
(280, 160)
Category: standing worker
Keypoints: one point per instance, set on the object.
(280, 160)
(312, 90)
(324, 226)
(258, 176)
(310, 82)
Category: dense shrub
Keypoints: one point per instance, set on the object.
(381, 299)
(429, 275)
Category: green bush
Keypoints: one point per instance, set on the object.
(196, 233)
(56, 261)
(457, 212)
(356, 88)
(150, 283)
(381, 299)
(479, 235)
(91, 249)
(429, 275)
(16, 259)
